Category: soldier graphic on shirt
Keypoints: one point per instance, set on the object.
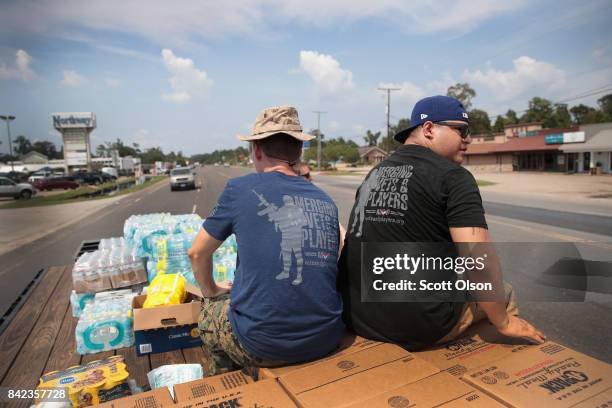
(290, 220)
(364, 195)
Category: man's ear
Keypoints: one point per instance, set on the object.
(257, 152)
(428, 130)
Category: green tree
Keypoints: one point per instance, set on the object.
(463, 92)
(480, 122)
(511, 118)
(540, 110)
(389, 144)
(500, 123)
(47, 148)
(580, 113)
(605, 104)
(561, 117)
(21, 145)
(371, 138)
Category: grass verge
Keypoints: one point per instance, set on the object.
(484, 183)
(82, 194)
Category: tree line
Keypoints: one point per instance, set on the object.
(545, 111)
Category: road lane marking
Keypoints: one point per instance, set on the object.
(194, 209)
(137, 200)
(555, 235)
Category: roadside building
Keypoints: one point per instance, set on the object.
(595, 152)
(527, 148)
(33, 157)
(372, 154)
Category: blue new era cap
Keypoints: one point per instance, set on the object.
(435, 109)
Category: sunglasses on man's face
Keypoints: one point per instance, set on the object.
(464, 129)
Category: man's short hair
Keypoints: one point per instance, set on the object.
(281, 146)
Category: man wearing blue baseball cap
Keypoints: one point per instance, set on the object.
(421, 194)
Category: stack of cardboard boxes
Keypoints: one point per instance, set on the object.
(482, 369)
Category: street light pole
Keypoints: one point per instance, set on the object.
(7, 119)
(319, 139)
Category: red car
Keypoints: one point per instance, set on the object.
(51, 183)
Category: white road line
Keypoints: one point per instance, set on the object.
(194, 209)
(137, 200)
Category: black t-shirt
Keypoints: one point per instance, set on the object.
(413, 196)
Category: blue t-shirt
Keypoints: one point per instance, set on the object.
(284, 303)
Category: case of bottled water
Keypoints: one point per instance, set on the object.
(106, 323)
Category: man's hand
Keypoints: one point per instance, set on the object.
(517, 327)
(220, 288)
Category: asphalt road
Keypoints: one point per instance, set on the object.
(585, 325)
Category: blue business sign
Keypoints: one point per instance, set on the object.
(554, 138)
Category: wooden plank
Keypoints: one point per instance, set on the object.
(138, 367)
(63, 354)
(196, 355)
(17, 332)
(169, 357)
(27, 368)
(88, 358)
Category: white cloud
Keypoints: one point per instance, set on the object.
(112, 82)
(72, 78)
(407, 93)
(187, 81)
(22, 67)
(325, 71)
(196, 19)
(528, 75)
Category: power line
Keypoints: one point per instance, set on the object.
(605, 88)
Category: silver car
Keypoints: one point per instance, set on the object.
(8, 188)
(182, 177)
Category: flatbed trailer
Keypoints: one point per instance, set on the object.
(40, 338)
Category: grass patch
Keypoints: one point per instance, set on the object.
(484, 183)
(83, 194)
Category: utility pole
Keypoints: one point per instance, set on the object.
(319, 138)
(388, 107)
(8, 119)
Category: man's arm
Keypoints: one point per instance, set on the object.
(201, 256)
(506, 324)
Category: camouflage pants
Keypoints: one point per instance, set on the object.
(227, 353)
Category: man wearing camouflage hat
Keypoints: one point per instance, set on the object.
(283, 306)
(421, 194)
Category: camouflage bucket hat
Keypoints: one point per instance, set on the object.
(279, 119)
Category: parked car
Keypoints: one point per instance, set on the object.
(8, 188)
(52, 183)
(39, 175)
(111, 171)
(16, 176)
(90, 177)
(181, 177)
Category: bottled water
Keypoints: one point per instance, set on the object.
(116, 266)
(106, 323)
(78, 301)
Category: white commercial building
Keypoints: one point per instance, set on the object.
(595, 152)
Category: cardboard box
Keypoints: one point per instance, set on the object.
(482, 344)
(210, 385)
(166, 328)
(548, 375)
(439, 390)
(351, 378)
(159, 398)
(350, 343)
(263, 394)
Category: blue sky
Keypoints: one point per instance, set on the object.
(190, 75)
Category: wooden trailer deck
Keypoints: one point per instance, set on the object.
(40, 338)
